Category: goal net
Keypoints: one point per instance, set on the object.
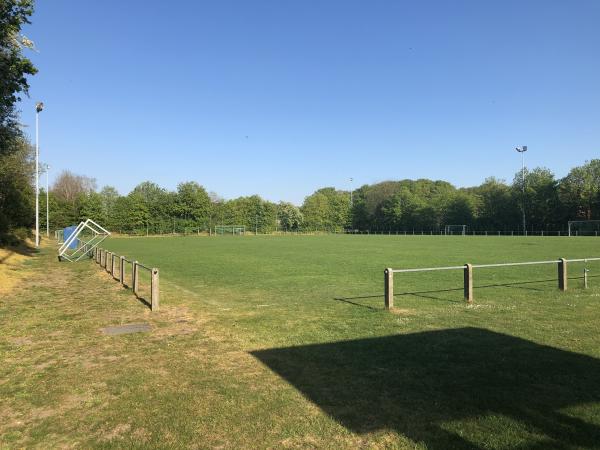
(584, 228)
(460, 230)
(230, 229)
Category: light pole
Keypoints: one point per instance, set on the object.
(46, 168)
(39, 106)
(351, 202)
(522, 151)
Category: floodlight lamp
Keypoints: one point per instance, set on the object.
(39, 106)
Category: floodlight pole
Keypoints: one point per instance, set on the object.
(522, 151)
(38, 108)
(47, 168)
(351, 202)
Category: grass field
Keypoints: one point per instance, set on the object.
(284, 342)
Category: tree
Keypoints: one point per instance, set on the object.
(193, 204)
(69, 187)
(14, 68)
(16, 190)
(327, 209)
(289, 216)
(580, 191)
(16, 170)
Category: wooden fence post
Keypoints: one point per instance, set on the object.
(134, 275)
(112, 265)
(155, 295)
(562, 274)
(122, 270)
(107, 265)
(389, 288)
(468, 271)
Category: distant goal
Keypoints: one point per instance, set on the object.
(230, 229)
(584, 228)
(457, 230)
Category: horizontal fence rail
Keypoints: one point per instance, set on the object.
(562, 265)
(108, 261)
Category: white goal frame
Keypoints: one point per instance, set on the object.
(85, 243)
(230, 229)
(576, 232)
(462, 229)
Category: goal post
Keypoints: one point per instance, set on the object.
(459, 230)
(584, 227)
(230, 229)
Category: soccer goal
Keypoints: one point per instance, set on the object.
(584, 227)
(455, 230)
(230, 229)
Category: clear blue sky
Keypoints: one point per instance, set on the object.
(282, 97)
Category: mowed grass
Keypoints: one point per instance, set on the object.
(310, 289)
(283, 342)
(518, 369)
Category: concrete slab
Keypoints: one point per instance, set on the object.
(127, 329)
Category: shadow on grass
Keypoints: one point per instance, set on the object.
(452, 388)
(143, 301)
(515, 285)
(22, 249)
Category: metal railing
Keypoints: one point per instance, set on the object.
(107, 261)
(562, 264)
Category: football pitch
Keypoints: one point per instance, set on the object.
(519, 368)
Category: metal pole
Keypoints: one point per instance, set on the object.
(47, 204)
(523, 181)
(37, 180)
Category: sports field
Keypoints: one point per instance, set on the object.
(283, 342)
(519, 368)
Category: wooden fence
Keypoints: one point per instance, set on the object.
(115, 266)
(562, 265)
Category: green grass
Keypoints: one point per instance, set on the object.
(311, 309)
(277, 342)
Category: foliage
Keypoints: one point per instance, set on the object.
(405, 205)
(16, 190)
(289, 216)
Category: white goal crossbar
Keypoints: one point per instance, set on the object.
(83, 242)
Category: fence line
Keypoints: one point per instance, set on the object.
(106, 260)
(562, 266)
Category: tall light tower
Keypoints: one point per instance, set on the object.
(351, 202)
(39, 106)
(46, 168)
(522, 151)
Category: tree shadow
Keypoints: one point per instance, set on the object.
(23, 249)
(424, 384)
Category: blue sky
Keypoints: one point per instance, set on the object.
(282, 97)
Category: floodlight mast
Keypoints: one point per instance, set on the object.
(39, 106)
(46, 169)
(522, 151)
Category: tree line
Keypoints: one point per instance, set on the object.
(403, 205)
(16, 167)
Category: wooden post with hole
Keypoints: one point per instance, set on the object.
(122, 270)
(134, 275)
(562, 274)
(388, 276)
(154, 296)
(107, 265)
(468, 277)
(112, 265)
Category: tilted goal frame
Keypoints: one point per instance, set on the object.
(85, 245)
